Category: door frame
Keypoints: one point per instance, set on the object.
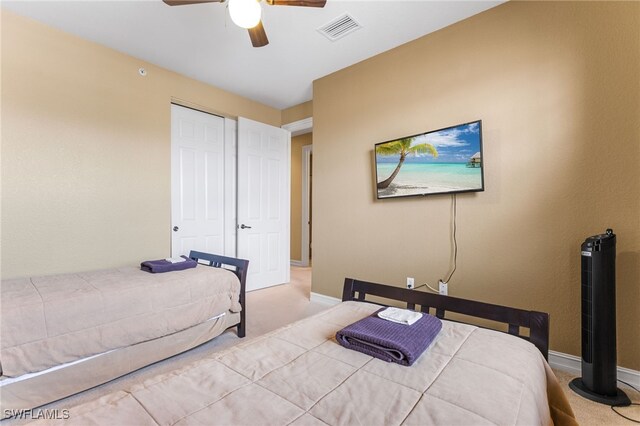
(297, 128)
(306, 192)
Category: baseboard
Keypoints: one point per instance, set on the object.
(565, 362)
(572, 364)
(325, 300)
(296, 263)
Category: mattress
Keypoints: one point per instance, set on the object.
(300, 375)
(36, 389)
(54, 320)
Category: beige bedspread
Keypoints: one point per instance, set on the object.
(47, 321)
(299, 375)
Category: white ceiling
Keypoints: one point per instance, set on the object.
(201, 42)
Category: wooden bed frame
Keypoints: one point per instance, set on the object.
(536, 322)
(240, 267)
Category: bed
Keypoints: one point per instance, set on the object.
(300, 375)
(67, 333)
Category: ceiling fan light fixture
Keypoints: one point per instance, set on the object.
(245, 13)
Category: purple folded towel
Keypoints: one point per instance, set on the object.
(389, 341)
(161, 265)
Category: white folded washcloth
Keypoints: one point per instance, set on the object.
(401, 316)
(175, 259)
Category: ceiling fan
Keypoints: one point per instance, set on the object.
(247, 13)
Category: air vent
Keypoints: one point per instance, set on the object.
(339, 27)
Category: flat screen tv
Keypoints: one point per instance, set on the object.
(444, 161)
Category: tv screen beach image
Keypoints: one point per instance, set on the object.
(443, 161)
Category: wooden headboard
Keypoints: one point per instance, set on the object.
(536, 322)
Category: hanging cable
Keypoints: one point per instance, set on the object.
(455, 246)
(455, 241)
(427, 285)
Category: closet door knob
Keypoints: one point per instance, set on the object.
(243, 226)
(175, 229)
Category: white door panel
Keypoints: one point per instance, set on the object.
(263, 202)
(230, 160)
(197, 182)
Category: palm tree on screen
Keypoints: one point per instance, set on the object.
(403, 148)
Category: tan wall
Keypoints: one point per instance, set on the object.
(297, 112)
(297, 142)
(556, 85)
(86, 151)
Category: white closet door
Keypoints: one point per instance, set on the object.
(197, 182)
(263, 202)
(230, 169)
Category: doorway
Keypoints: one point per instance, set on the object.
(301, 191)
(300, 209)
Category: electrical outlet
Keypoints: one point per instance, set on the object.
(443, 288)
(410, 282)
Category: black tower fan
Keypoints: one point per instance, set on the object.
(599, 377)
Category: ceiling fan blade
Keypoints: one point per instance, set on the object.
(183, 2)
(305, 3)
(258, 35)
